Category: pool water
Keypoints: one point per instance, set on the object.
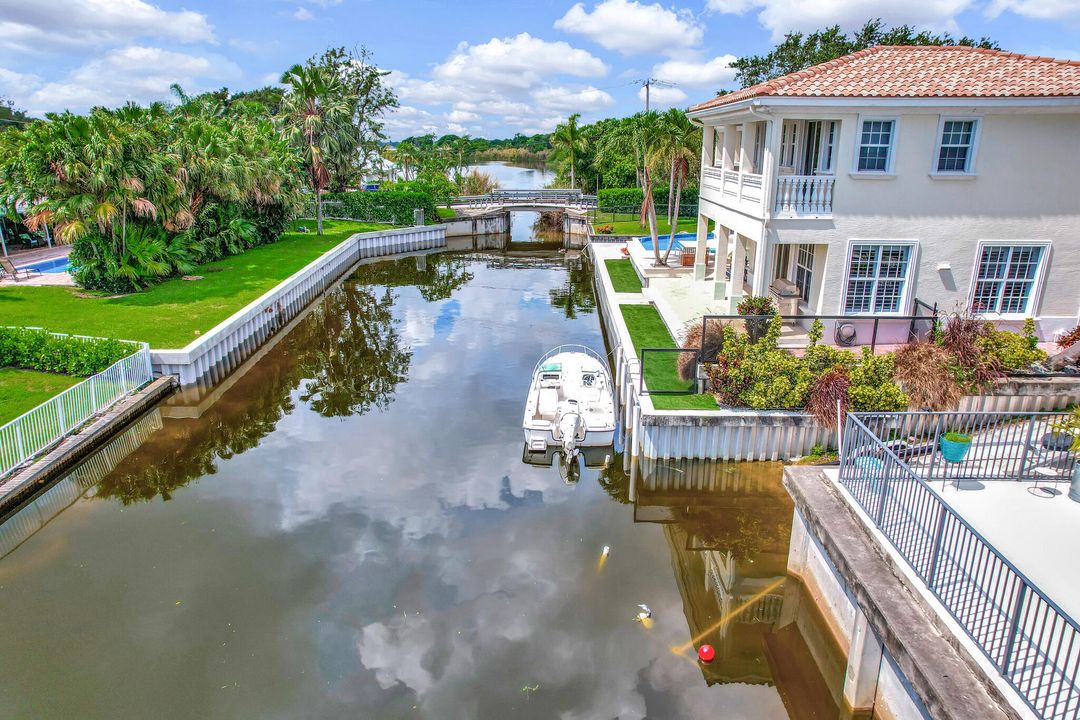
(55, 265)
(346, 529)
(663, 240)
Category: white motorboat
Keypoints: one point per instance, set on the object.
(570, 404)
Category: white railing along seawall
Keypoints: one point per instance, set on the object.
(236, 337)
(35, 431)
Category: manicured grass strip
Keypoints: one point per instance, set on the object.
(623, 277)
(627, 224)
(446, 213)
(702, 401)
(23, 390)
(647, 330)
(174, 313)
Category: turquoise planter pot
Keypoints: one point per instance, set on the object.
(954, 452)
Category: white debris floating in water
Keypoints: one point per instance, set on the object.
(645, 613)
(606, 551)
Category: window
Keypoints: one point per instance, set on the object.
(957, 147)
(783, 261)
(877, 278)
(1005, 278)
(875, 145)
(804, 271)
(788, 144)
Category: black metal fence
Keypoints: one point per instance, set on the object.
(1030, 640)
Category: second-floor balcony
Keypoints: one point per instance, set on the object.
(804, 196)
(797, 196)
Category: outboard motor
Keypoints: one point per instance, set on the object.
(569, 422)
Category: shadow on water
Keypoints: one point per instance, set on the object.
(728, 527)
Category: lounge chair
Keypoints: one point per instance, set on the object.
(7, 269)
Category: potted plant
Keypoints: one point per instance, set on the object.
(954, 446)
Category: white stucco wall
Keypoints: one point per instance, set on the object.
(1024, 188)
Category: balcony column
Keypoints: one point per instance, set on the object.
(730, 148)
(746, 149)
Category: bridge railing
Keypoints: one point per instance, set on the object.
(569, 197)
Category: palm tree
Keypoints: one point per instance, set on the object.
(315, 117)
(569, 143)
(678, 143)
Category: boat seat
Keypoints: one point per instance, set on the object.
(547, 403)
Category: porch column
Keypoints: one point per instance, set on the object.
(708, 145)
(738, 267)
(730, 148)
(725, 236)
(701, 255)
(762, 265)
(746, 148)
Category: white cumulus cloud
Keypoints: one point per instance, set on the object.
(781, 16)
(134, 73)
(570, 100)
(518, 62)
(37, 26)
(1036, 9)
(302, 14)
(661, 97)
(631, 27)
(709, 73)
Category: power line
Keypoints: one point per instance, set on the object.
(647, 83)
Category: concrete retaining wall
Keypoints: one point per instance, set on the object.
(491, 223)
(234, 339)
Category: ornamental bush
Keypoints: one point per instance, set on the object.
(629, 199)
(1011, 351)
(39, 350)
(393, 206)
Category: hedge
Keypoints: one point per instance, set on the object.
(622, 199)
(393, 206)
(40, 350)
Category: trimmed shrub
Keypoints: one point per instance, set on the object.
(873, 387)
(756, 305)
(629, 199)
(391, 206)
(1009, 351)
(38, 350)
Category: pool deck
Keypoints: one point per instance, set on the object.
(28, 257)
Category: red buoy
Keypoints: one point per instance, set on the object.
(706, 653)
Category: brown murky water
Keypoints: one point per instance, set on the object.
(346, 530)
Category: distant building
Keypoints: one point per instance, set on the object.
(947, 174)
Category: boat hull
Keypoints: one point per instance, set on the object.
(593, 438)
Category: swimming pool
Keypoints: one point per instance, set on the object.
(55, 265)
(662, 241)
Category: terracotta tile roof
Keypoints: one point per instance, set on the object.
(892, 71)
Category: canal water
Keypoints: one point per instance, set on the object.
(345, 529)
(524, 226)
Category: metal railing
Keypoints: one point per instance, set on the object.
(1028, 638)
(39, 429)
(569, 197)
(658, 365)
(1004, 446)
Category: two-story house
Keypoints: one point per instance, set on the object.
(949, 174)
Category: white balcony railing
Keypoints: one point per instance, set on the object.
(730, 187)
(802, 195)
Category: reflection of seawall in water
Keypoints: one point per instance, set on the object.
(728, 527)
(34, 515)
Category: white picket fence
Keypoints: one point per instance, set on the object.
(39, 429)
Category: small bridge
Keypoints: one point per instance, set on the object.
(536, 200)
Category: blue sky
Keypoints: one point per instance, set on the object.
(471, 66)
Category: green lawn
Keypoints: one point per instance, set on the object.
(627, 224)
(23, 390)
(647, 330)
(623, 277)
(446, 213)
(174, 313)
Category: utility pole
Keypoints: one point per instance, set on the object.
(647, 83)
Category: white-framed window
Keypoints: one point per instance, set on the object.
(1007, 275)
(876, 139)
(783, 261)
(878, 276)
(956, 146)
(788, 143)
(804, 270)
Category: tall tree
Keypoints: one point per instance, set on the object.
(678, 145)
(569, 143)
(316, 118)
(798, 51)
